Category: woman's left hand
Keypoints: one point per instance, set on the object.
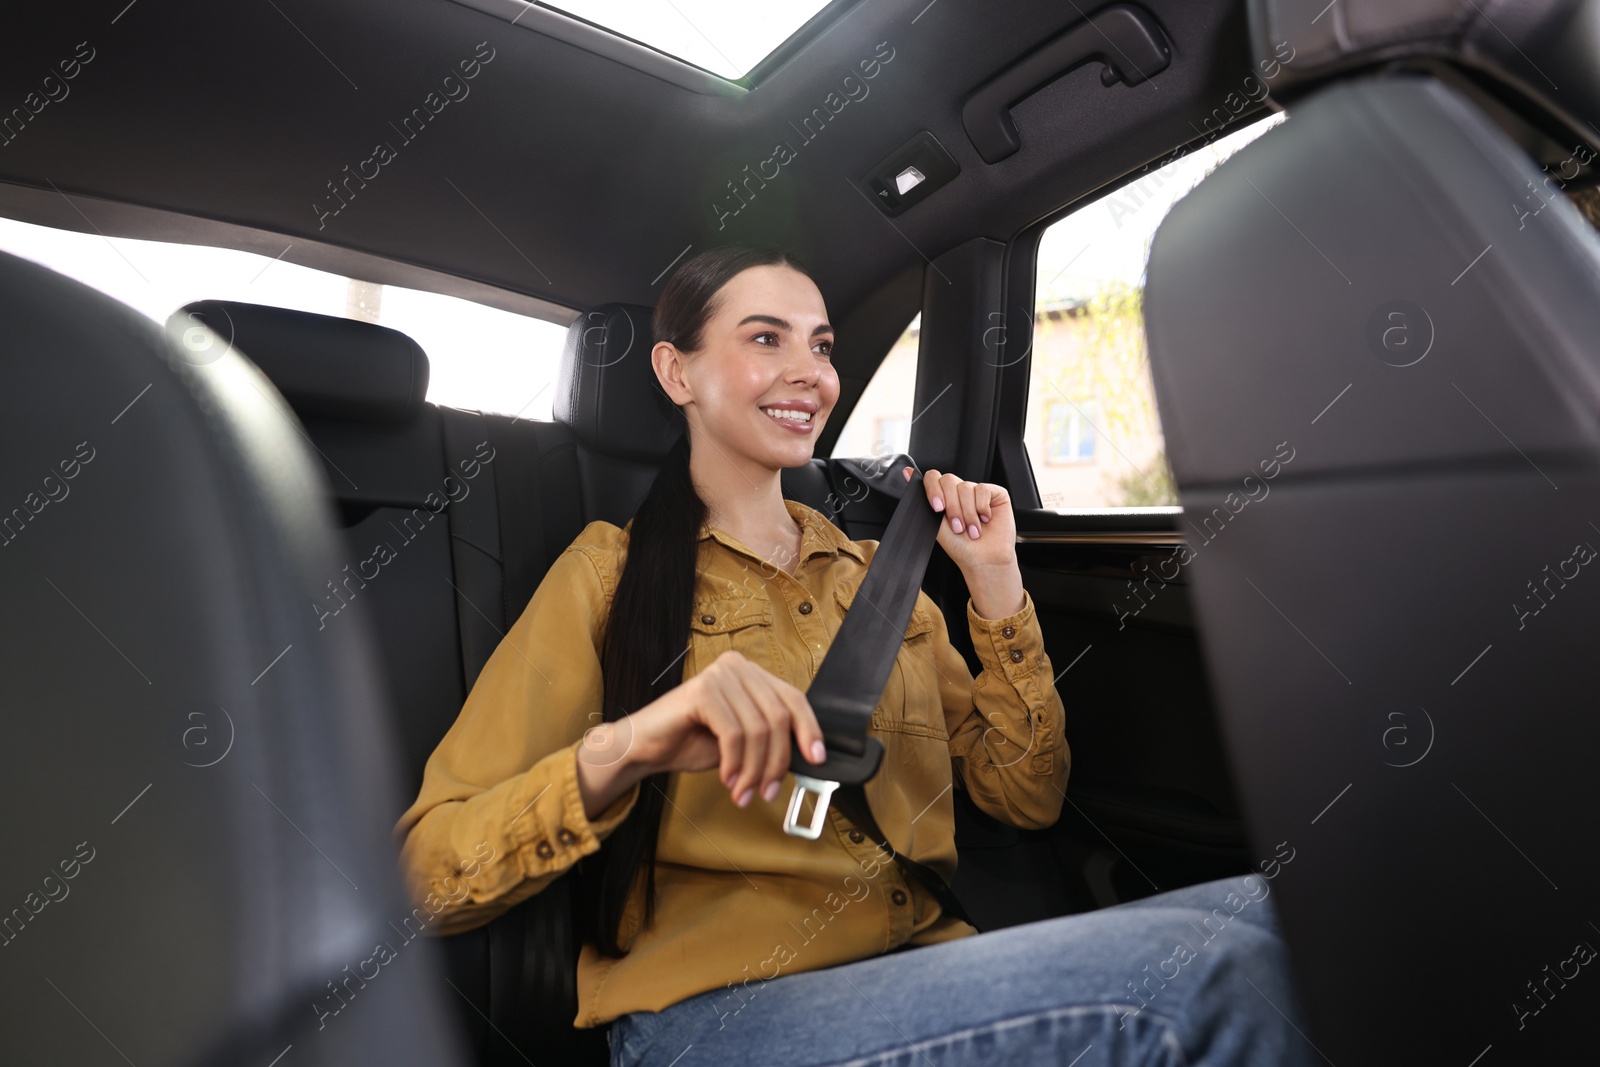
(979, 531)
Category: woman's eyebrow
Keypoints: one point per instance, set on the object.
(782, 324)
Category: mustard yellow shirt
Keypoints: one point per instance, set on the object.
(499, 815)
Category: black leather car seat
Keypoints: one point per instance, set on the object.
(196, 779)
(1374, 340)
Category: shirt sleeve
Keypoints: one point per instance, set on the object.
(1007, 731)
(499, 815)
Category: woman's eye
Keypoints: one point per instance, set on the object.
(825, 348)
(768, 338)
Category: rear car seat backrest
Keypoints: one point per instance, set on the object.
(451, 518)
(358, 390)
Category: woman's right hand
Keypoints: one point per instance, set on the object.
(735, 716)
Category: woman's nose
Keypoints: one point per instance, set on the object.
(806, 368)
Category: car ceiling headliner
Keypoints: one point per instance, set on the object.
(566, 176)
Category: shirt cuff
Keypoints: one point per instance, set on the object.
(553, 835)
(1012, 647)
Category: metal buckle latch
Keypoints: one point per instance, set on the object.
(803, 785)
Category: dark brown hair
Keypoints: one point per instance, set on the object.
(648, 627)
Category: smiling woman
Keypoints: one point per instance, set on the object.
(754, 378)
(702, 923)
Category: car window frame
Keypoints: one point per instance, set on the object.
(1013, 464)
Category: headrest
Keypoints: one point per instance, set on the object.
(1532, 46)
(323, 365)
(608, 394)
(1396, 186)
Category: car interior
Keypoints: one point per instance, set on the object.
(245, 663)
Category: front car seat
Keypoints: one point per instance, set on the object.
(1375, 337)
(197, 786)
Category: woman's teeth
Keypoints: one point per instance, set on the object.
(788, 415)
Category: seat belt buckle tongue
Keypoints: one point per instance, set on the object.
(804, 784)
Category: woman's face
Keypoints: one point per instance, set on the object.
(766, 345)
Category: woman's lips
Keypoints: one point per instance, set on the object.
(793, 425)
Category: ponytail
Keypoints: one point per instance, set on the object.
(647, 630)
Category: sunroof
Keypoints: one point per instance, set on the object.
(726, 37)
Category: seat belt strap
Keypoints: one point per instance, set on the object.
(851, 680)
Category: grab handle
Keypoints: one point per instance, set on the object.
(1123, 37)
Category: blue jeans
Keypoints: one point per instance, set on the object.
(1193, 976)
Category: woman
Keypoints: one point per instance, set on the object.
(679, 645)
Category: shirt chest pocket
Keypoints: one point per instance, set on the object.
(910, 701)
(739, 624)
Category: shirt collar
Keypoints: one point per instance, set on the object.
(818, 535)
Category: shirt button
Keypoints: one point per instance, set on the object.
(1016, 655)
(543, 849)
(898, 896)
(857, 836)
(805, 609)
(708, 619)
(1009, 631)
(566, 837)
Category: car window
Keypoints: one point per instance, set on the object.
(1092, 431)
(479, 357)
(880, 423)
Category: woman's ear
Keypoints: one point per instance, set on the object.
(669, 364)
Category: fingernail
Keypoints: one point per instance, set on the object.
(973, 530)
(770, 791)
(744, 798)
(985, 518)
(938, 503)
(819, 752)
(955, 523)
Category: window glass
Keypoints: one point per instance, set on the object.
(727, 37)
(880, 423)
(479, 357)
(1068, 437)
(1092, 432)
